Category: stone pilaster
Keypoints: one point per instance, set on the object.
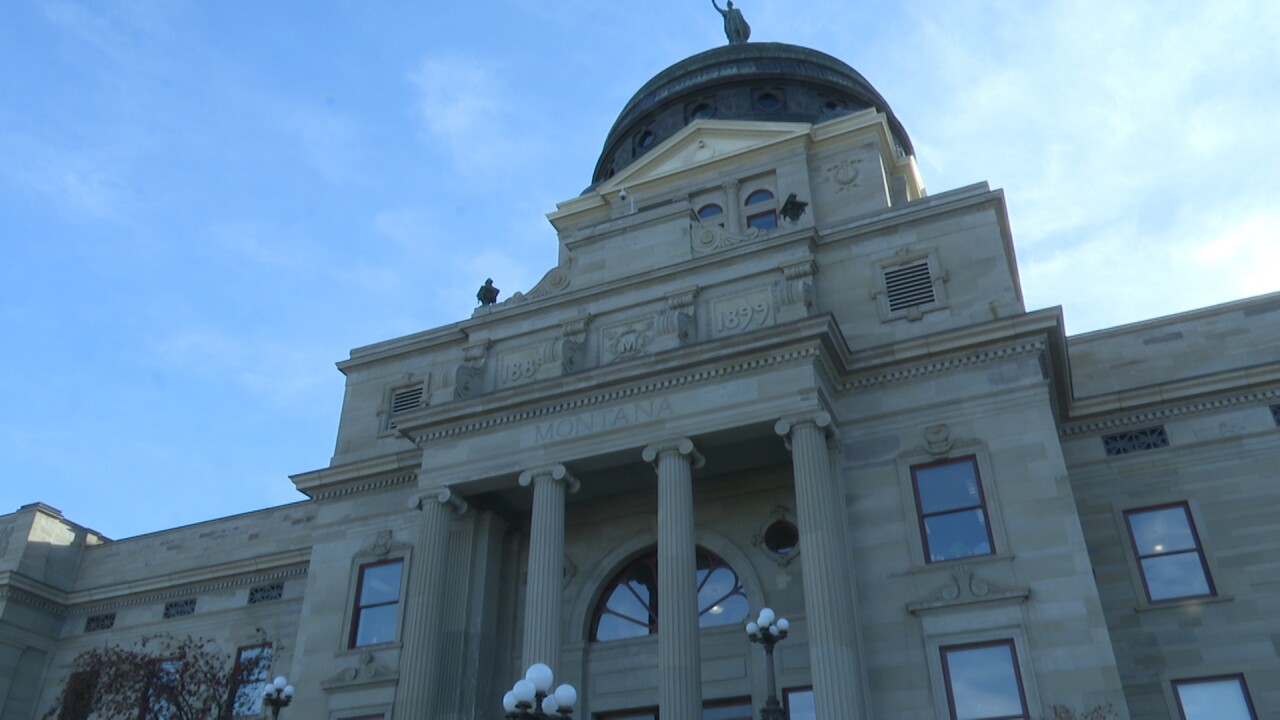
(417, 694)
(679, 659)
(829, 608)
(544, 593)
(733, 208)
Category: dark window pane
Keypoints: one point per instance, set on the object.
(623, 601)
(763, 221)
(984, 682)
(381, 584)
(957, 535)
(758, 196)
(948, 487)
(1161, 531)
(707, 211)
(1175, 576)
(612, 627)
(799, 705)
(377, 625)
(1222, 699)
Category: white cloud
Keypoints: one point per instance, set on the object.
(467, 111)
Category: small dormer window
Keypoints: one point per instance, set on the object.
(702, 111)
(767, 217)
(646, 140)
(768, 101)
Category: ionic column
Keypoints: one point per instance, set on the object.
(679, 661)
(417, 693)
(544, 594)
(829, 608)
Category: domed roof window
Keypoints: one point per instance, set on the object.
(768, 101)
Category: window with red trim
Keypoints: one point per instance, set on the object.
(1225, 697)
(983, 682)
(377, 604)
(952, 509)
(1170, 558)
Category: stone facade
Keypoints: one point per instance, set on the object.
(682, 381)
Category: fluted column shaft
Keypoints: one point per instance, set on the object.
(829, 608)
(544, 592)
(679, 659)
(418, 691)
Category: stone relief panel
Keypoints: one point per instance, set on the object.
(626, 340)
(708, 237)
(965, 587)
(524, 365)
(743, 312)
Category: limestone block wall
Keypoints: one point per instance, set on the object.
(1222, 463)
(1036, 589)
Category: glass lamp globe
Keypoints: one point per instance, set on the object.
(550, 706)
(540, 675)
(566, 696)
(524, 691)
(509, 701)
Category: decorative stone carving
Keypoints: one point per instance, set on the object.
(365, 671)
(937, 439)
(797, 289)
(709, 237)
(555, 281)
(676, 326)
(844, 174)
(743, 312)
(626, 340)
(573, 346)
(965, 588)
(381, 544)
(779, 513)
(469, 378)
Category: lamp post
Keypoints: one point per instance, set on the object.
(533, 698)
(276, 695)
(769, 630)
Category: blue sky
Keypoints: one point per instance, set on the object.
(203, 206)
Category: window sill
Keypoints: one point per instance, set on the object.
(1214, 600)
(368, 648)
(922, 568)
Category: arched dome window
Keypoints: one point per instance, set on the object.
(758, 197)
(710, 210)
(629, 605)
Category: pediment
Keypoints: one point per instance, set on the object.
(704, 142)
(964, 587)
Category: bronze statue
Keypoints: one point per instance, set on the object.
(735, 26)
(488, 294)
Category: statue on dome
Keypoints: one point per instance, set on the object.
(735, 26)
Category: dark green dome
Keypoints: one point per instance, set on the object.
(750, 81)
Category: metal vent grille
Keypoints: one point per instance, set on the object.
(266, 593)
(406, 400)
(178, 608)
(908, 285)
(94, 623)
(1135, 441)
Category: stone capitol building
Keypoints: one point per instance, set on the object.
(768, 370)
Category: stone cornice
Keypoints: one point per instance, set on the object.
(1122, 419)
(393, 468)
(186, 591)
(193, 582)
(952, 362)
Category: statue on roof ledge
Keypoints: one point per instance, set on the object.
(735, 26)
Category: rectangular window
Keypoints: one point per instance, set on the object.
(763, 221)
(1214, 698)
(798, 703)
(377, 604)
(1170, 559)
(249, 678)
(983, 682)
(952, 509)
(166, 684)
(77, 700)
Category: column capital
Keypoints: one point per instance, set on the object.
(556, 472)
(444, 496)
(820, 419)
(683, 446)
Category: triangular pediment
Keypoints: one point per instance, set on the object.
(701, 143)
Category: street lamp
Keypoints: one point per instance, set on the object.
(276, 695)
(533, 697)
(769, 630)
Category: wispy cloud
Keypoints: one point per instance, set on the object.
(466, 109)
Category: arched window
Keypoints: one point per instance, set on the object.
(629, 605)
(758, 197)
(708, 211)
